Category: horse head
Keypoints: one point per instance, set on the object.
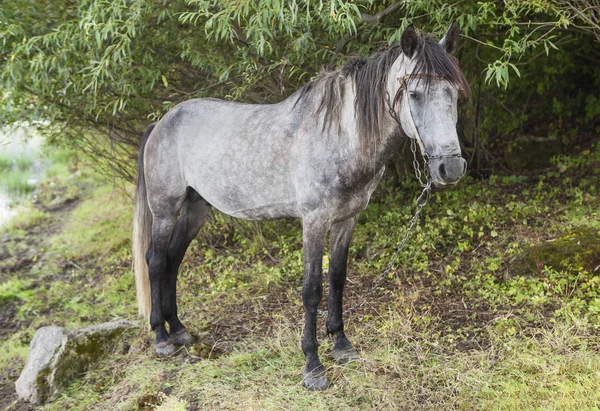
(427, 83)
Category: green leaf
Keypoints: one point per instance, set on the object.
(515, 69)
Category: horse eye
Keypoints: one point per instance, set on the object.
(414, 95)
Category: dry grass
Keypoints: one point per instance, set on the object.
(447, 331)
(557, 368)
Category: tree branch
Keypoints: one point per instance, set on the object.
(376, 18)
(368, 19)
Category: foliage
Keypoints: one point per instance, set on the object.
(96, 72)
(27, 218)
(14, 173)
(15, 183)
(456, 325)
(98, 227)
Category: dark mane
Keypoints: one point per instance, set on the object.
(369, 77)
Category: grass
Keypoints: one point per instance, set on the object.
(97, 227)
(552, 370)
(5, 163)
(14, 173)
(21, 162)
(15, 183)
(16, 169)
(28, 217)
(484, 310)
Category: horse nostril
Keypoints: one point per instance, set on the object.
(464, 167)
(442, 170)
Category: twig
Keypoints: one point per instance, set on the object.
(368, 19)
(74, 265)
(376, 18)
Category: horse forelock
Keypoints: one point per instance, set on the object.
(433, 60)
(369, 76)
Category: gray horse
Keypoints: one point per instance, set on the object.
(318, 155)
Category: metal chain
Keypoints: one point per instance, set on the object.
(420, 203)
(413, 149)
(425, 182)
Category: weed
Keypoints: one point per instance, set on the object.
(459, 323)
(15, 183)
(97, 227)
(27, 217)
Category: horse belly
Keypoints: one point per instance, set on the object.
(254, 188)
(251, 200)
(238, 159)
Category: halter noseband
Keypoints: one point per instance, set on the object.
(396, 114)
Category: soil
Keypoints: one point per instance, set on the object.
(19, 253)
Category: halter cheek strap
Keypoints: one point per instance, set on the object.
(413, 126)
(395, 111)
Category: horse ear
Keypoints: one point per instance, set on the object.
(449, 41)
(409, 41)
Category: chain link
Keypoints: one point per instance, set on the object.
(421, 202)
(425, 182)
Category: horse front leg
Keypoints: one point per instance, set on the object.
(313, 238)
(341, 234)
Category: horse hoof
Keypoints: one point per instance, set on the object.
(164, 349)
(182, 337)
(315, 380)
(342, 356)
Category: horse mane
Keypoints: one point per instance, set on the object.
(369, 76)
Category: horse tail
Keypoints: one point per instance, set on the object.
(142, 230)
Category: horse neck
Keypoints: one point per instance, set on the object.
(367, 156)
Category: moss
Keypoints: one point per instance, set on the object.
(533, 153)
(578, 248)
(81, 353)
(43, 385)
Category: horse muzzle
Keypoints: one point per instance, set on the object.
(447, 170)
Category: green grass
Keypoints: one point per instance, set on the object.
(398, 370)
(23, 163)
(20, 162)
(27, 217)
(5, 163)
(15, 183)
(494, 304)
(16, 169)
(97, 227)
(14, 172)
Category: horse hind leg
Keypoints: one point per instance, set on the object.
(191, 220)
(163, 223)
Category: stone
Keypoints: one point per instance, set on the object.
(57, 354)
(532, 153)
(580, 247)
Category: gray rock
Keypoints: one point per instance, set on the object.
(58, 354)
(532, 153)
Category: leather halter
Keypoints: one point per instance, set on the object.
(396, 113)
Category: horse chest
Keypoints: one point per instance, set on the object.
(336, 199)
(359, 198)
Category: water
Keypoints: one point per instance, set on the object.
(6, 211)
(20, 142)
